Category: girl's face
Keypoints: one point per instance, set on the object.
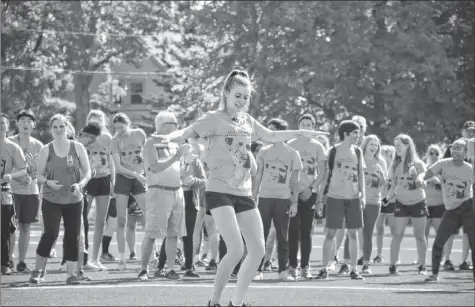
(434, 155)
(401, 148)
(58, 128)
(306, 124)
(238, 98)
(372, 147)
(121, 128)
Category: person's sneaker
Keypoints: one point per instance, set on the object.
(133, 256)
(332, 266)
(360, 261)
(143, 275)
(448, 265)
(432, 278)
(108, 257)
(259, 276)
(172, 275)
(212, 266)
(21, 268)
(89, 266)
(35, 277)
(415, 262)
(6, 270)
(122, 266)
(99, 265)
(160, 273)
(377, 260)
(323, 274)
(366, 270)
(421, 270)
(267, 266)
(83, 276)
(285, 276)
(42, 275)
(393, 270)
(305, 273)
(356, 275)
(73, 280)
(465, 266)
(344, 269)
(11, 264)
(200, 263)
(215, 305)
(243, 304)
(293, 272)
(191, 274)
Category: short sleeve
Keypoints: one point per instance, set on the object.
(258, 130)
(296, 161)
(19, 161)
(140, 134)
(205, 125)
(321, 156)
(114, 146)
(437, 167)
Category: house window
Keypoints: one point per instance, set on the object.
(136, 93)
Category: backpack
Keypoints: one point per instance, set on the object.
(331, 162)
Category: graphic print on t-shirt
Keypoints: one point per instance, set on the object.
(347, 171)
(407, 182)
(131, 155)
(275, 171)
(31, 162)
(309, 163)
(371, 180)
(98, 157)
(239, 145)
(454, 188)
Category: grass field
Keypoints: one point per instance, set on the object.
(121, 288)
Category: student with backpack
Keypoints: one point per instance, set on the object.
(346, 195)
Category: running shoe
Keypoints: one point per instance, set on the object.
(366, 270)
(356, 275)
(323, 274)
(448, 265)
(393, 270)
(432, 278)
(344, 269)
(143, 275)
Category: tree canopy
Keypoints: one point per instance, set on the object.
(407, 66)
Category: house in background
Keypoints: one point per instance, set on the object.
(141, 90)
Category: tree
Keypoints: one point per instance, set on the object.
(86, 35)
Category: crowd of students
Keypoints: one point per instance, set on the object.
(242, 184)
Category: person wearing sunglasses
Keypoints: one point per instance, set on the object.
(456, 178)
(435, 203)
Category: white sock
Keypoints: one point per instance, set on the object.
(121, 256)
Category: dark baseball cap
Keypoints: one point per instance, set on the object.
(469, 125)
(27, 113)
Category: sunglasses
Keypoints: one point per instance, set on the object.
(434, 154)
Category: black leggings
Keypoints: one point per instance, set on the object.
(8, 211)
(52, 213)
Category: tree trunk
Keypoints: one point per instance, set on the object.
(81, 97)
